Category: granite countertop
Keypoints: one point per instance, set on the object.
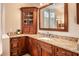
(0, 47)
(62, 43)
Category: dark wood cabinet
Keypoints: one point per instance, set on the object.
(77, 5)
(46, 49)
(30, 46)
(17, 46)
(23, 45)
(59, 51)
(53, 50)
(40, 48)
(68, 53)
(63, 52)
(29, 20)
(14, 52)
(36, 50)
(14, 43)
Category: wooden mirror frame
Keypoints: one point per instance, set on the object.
(65, 19)
(77, 7)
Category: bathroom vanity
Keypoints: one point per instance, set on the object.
(41, 46)
(52, 17)
(17, 46)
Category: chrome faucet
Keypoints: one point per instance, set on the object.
(48, 34)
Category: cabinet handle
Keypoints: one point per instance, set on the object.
(57, 54)
(63, 52)
(14, 39)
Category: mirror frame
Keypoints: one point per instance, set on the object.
(65, 19)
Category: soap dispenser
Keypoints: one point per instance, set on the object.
(18, 31)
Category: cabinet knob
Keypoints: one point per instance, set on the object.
(63, 52)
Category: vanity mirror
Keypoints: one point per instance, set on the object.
(54, 16)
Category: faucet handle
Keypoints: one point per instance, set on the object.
(47, 32)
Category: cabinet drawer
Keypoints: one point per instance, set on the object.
(14, 43)
(22, 51)
(59, 51)
(14, 52)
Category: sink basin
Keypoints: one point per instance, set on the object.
(44, 38)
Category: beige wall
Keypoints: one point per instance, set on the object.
(13, 19)
(0, 31)
(73, 26)
(13, 15)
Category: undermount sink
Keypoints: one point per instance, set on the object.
(58, 41)
(44, 38)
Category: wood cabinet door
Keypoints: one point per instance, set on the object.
(53, 50)
(46, 49)
(30, 46)
(21, 42)
(17, 46)
(63, 52)
(22, 47)
(27, 44)
(31, 30)
(46, 53)
(60, 52)
(75, 54)
(36, 50)
(14, 52)
(14, 47)
(68, 53)
(25, 29)
(14, 43)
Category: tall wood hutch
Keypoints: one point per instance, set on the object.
(29, 20)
